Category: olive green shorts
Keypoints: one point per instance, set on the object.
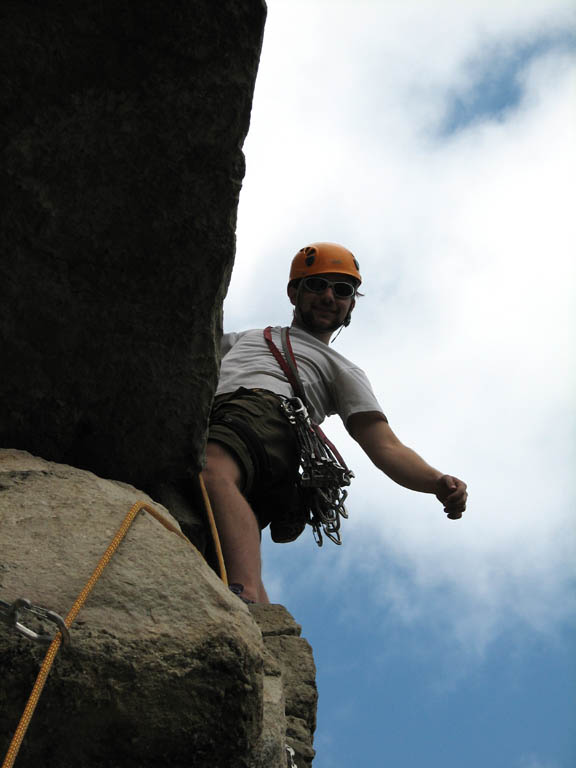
(252, 426)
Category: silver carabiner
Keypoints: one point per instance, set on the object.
(290, 755)
(298, 406)
(10, 613)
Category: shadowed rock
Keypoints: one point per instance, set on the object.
(120, 169)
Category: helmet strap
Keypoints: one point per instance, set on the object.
(338, 334)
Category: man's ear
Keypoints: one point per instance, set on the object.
(292, 292)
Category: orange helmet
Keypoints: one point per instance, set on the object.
(321, 258)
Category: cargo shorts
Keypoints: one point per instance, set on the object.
(252, 426)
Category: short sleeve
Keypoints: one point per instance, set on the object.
(353, 394)
(227, 342)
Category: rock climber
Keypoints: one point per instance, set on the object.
(253, 455)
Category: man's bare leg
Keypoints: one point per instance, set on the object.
(236, 522)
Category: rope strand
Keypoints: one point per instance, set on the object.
(48, 661)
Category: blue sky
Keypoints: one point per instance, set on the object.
(436, 140)
(406, 694)
(497, 84)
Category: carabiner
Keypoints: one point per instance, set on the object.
(10, 613)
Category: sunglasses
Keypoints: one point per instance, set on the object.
(319, 285)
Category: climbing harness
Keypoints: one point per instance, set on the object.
(323, 474)
(9, 613)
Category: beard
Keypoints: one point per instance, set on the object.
(309, 320)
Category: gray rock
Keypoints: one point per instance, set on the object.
(293, 655)
(275, 620)
(120, 170)
(166, 667)
(272, 748)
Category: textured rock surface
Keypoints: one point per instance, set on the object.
(166, 667)
(120, 169)
(290, 656)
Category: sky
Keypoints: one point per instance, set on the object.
(436, 140)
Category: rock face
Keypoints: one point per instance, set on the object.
(166, 667)
(289, 668)
(120, 169)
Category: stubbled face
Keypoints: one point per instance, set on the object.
(321, 312)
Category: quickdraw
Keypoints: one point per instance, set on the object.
(323, 472)
(322, 476)
(10, 613)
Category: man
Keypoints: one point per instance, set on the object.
(252, 454)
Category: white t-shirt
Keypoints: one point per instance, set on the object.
(332, 383)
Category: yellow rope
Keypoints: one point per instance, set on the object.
(213, 530)
(20, 732)
(80, 600)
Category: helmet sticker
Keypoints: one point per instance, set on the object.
(310, 255)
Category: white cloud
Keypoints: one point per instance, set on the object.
(466, 245)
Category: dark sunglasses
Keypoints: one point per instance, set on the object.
(319, 285)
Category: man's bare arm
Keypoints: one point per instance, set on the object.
(403, 465)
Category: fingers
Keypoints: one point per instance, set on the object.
(449, 489)
(454, 511)
(453, 495)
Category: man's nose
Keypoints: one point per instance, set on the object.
(328, 294)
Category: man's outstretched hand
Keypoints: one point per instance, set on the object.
(451, 492)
